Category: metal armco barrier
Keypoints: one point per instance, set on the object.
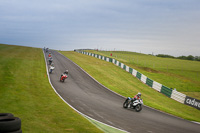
(166, 91)
(182, 98)
(157, 86)
(143, 78)
(134, 72)
(138, 75)
(149, 82)
(127, 68)
(130, 70)
(192, 102)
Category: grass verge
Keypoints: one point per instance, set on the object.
(25, 91)
(125, 84)
(183, 75)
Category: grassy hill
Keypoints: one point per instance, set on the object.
(183, 75)
(125, 84)
(25, 91)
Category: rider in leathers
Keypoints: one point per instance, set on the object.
(138, 96)
(65, 73)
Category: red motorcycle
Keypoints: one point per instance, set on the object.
(63, 77)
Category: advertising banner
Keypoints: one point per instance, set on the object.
(192, 102)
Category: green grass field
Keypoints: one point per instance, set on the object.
(125, 84)
(25, 91)
(183, 75)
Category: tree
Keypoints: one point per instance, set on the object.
(190, 57)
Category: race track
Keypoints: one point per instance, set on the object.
(95, 101)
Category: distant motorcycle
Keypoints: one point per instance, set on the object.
(137, 104)
(51, 68)
(47, 49)
(50, 60)
(63, 77)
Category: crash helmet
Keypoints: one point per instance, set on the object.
(139, 94)
(66, 72)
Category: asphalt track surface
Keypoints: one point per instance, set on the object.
(92, 99)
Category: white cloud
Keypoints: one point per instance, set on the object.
(139, 25)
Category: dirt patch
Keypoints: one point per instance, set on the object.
(149, 69)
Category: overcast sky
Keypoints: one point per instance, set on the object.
(158, 26)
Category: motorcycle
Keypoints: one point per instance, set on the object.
(50, 60)
(137, 104)
(63, 77)
(47, 49)
(51, 69)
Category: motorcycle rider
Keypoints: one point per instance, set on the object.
(136, 97)
(49, 54)
(51, 67)
(65, 73)
(50, 60)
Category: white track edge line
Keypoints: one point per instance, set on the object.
(71, 105)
